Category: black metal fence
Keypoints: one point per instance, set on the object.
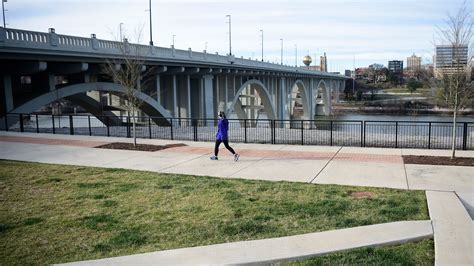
(389, 134)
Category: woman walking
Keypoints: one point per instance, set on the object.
(222, 136)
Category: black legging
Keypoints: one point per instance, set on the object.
(226, 144)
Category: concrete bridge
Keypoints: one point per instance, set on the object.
(37, 69)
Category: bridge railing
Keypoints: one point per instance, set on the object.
(387, 134)
(16, 38)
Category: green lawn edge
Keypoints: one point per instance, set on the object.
(55, 213)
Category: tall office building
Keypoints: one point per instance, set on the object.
(395, 66)
(413, 62)
(448, 58)
(324, 63)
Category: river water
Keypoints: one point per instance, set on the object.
(418, 118)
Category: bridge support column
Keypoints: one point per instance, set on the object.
(208, 97)
(8, 93)
(283, 99)
(175, 99)
(158, 88)
(311, 99)
(188, 93)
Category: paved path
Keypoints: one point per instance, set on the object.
(313, 164)
(282, 248)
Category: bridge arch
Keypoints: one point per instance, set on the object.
(299, 88)
(150, 106)
(262, 91)
(323, 97)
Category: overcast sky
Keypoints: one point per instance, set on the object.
(368, 30)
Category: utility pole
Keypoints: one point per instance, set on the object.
(281, 60)
(261, 31)
(230, 34)
(3, 10)
(151, 27)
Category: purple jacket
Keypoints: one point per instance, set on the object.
(222, 129)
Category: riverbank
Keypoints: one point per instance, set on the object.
(342, 110)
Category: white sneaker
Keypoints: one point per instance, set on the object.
(214, 158)
(236, 157)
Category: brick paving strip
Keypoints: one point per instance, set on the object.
(269, 154)
(49, 141)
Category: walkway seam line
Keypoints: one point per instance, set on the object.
(406, 175)
(324, 167)
(192, 159)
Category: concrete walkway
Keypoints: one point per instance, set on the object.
(449, 187)
(280, 249)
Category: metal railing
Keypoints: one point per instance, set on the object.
(387, 134)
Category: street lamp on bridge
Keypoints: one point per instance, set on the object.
(173, 40)
(151, 27)
(296, 55)
(3, 11)
(120, 29)
(261, 32)
(230, 34)
(281, 60)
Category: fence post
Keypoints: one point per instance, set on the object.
(171, 127)
(149, 126)
(37, 124)
(71, 125)
(364, 132)
(396, 134)
(302, 132)
(128, 127)
(6, 122)
(273, 131)
(54, 128)
(429, 135)
(89, 124)
(245, 130)
(464, 137)
(361, 133)
(108, 126)
(331, 132)
(195, 130)
(22, 129)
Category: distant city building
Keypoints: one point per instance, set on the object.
(324, 63)
(413, 62)
(395, 66)
(376, 66)
(447, 56)
(313, 68)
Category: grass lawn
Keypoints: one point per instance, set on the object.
(421, 253)
(54, 214)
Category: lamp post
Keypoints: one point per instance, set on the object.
(173, 40)
(151, 27)
(261, 32)
(296, 55)
(281, 60)
(120, 27)
(230, 34)
(3, 10)
(205, 46)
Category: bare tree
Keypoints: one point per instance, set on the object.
(128, 71)
(456, 90)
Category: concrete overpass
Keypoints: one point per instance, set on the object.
(40, 68)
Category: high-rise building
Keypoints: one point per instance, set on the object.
(395, 66)
(413, 62)
(449, 57)
(324, 63)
